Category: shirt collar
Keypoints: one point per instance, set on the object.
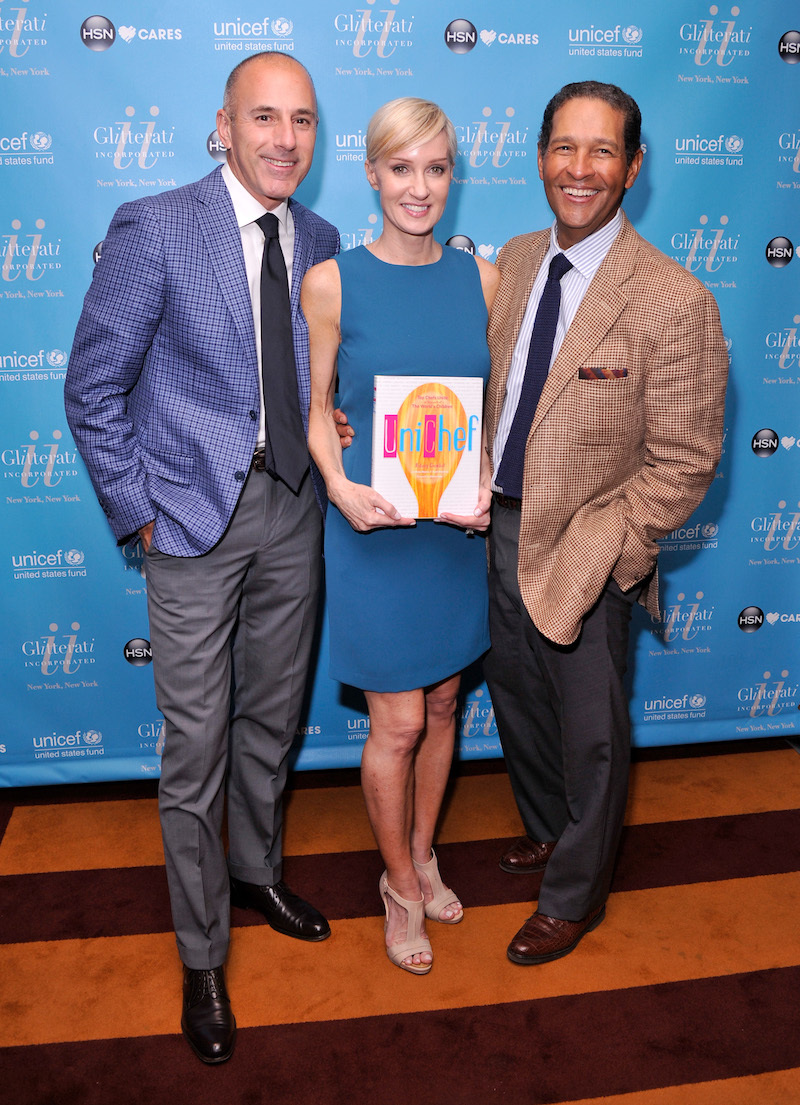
(588, 255)
(246, 207)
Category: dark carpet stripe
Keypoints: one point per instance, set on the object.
(524, 1053)
(123, 902)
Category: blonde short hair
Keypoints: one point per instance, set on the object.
(407, 122)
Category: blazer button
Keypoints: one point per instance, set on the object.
(238, 476)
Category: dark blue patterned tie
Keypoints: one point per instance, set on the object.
(286, 441)
(509, 475)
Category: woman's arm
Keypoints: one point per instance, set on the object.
(321, 299)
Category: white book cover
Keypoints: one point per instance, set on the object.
(426, 443)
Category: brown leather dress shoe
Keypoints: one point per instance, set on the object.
(543, 938)
(526, 855)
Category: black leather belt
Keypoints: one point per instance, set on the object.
(507, 501)
(259, 462)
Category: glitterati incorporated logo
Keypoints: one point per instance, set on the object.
(779, 252)
(717, 42)
(496, 145)
(789, 47)
(98, 33)
(28, 255)
(20, 29)
(705, 248)
(135, 144)
(776, 530)
(360, 235)
(783, 347)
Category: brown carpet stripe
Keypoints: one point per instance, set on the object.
(134, 899)
(527, 1053)
(686, 995)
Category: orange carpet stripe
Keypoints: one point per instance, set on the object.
(115, 987)
(780, 1087)
(96, 835)
(715, 786)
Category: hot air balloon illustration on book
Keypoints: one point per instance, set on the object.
(426, 443)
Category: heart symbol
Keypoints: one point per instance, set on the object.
(436, 405)
(127, 33)
(772, 618)
(486, 252)
(488, 37)
(787, 442)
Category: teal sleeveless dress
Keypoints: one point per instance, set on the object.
(407, 607)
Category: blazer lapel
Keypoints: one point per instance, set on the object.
(302, 255)
(599, 310)
(510, 313)
(224, 244)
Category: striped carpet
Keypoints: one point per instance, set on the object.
(688, 994)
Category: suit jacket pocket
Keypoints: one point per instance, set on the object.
(605, 412)
(170, 469)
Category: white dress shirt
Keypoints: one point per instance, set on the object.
(586, 257)
(247, 209)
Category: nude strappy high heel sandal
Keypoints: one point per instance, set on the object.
(414, 943)
(442, 895)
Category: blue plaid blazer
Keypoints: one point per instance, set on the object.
(162, 385)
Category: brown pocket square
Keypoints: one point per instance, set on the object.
(601, 372)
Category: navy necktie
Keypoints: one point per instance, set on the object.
(509, 474)
(286, 450)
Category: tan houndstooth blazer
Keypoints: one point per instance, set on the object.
(611, 464)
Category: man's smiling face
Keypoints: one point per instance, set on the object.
(270, 128)
(584, 168)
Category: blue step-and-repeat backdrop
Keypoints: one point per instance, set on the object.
(99, 108)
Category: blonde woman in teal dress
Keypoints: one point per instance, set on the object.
(407, 601)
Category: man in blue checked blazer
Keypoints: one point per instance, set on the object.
(183, 436)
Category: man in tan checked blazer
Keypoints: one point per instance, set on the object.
(616, 451)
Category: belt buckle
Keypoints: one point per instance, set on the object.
(259, 462)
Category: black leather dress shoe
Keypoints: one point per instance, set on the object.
(284, 911)
(208, 1022)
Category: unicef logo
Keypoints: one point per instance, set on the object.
(734, 144)
(74, 557)
(92, 737)
(41, 141)
(282, 27)
(697, 701)
(56, 358)
(631, 35)
(710, 529)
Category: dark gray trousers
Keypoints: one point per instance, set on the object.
(562, 716)
(231, 634)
